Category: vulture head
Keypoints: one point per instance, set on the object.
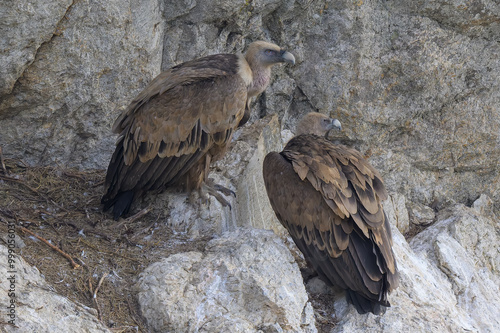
(267, 54)
(317, 124)
(261, 56)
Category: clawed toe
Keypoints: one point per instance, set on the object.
(215, 190)
(224, 190)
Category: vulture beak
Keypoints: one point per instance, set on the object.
(334, 124)
(287, 57)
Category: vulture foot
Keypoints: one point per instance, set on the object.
(224, 190)
(216, 191)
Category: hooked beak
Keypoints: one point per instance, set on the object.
(335, 124)
(287, 57)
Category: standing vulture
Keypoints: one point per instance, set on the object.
(183, 120)
(329, 199)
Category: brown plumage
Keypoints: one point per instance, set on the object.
(183, 120)
(329, 198)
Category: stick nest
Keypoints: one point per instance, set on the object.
(62, 207)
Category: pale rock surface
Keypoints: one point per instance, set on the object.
(38, 307)
(24, 27)
(397, 213)
(245, 281)
(421, 214)
(449, 278)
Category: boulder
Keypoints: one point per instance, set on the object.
(244, 281)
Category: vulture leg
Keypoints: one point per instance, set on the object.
(208, 159)
(208, 187)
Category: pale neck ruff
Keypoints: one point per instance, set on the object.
(261, 79)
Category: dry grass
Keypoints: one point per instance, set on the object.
(62, 206)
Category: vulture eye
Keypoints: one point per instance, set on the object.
(270, 52)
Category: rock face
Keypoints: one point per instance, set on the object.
(408, 92)
(245, 281)
(25, 27)
(38, 307)
(59, 103)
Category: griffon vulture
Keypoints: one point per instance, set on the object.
(329, 199)
(183, 120)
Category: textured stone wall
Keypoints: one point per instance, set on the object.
(83, 61)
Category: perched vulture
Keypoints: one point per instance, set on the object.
(329, 199)
(183, 120)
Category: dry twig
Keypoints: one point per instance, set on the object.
(99, 285)
(135, 217)
(94, 294)
(64, 254)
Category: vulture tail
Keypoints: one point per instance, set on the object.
(121, 203)
(362, 304)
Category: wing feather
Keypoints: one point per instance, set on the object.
(205, 95)
(366, 197)
(341, 238)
